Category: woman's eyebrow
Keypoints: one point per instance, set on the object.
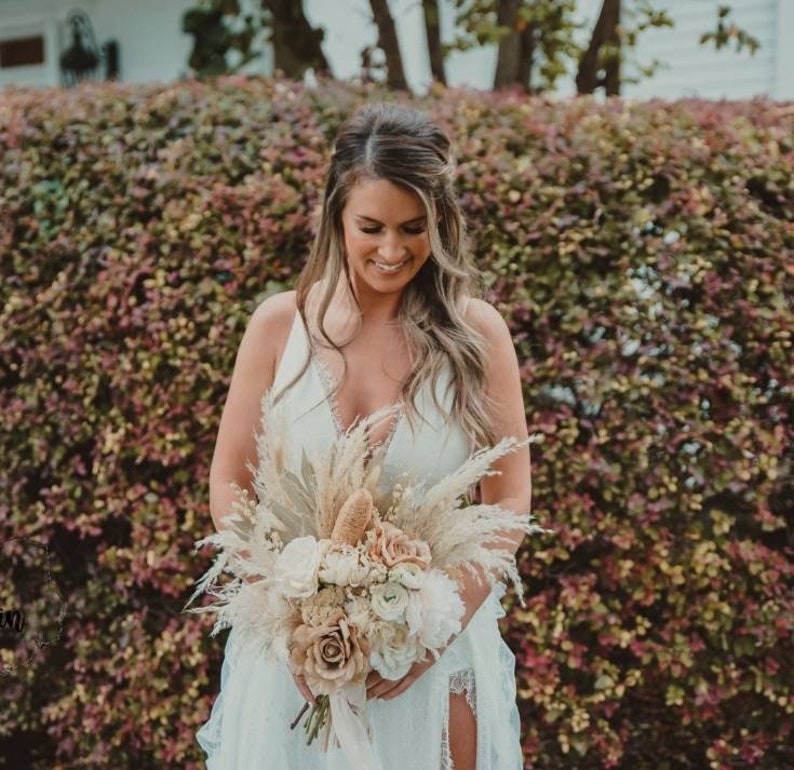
(414, 221)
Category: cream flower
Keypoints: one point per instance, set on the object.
(393, 650)
(359, 612)
(408, 575)
(296, 568)
(329, 656)
(435, 610)
(377, 571)
(341, 565)
(389, 601)
(393, 546)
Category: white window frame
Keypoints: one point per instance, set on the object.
(45, 74)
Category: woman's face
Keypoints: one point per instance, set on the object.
(385, 229)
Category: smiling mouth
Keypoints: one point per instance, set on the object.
(384, 268)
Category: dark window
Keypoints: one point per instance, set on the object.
(21, 52)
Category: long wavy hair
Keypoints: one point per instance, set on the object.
(406, 148)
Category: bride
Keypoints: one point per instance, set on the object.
(383, 315)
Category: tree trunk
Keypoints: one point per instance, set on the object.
(516, 55)
(296, 44)
(588, 78)
(389, 44)
(433, 30)
(508, 61)
(527, 58)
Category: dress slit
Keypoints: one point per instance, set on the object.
(460, 683)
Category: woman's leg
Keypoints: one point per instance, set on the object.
(462, 733)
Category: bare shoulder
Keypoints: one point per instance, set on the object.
(273, 317)
(501, 361)
(488, 321)
(268, 330)
(276, 310)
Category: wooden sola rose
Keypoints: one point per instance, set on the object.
(339, 577)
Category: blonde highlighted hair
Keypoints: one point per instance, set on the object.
(406, 148)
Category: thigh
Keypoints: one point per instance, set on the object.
(462, 731)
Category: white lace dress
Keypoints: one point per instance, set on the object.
(249, 727)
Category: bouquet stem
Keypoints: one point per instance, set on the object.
(318, 718)
(298, 718)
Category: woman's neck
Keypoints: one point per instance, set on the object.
(376, 309)
(343, 320)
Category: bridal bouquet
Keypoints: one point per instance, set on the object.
(339, 578)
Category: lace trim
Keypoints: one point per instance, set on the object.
(460, 683)
(329, 382)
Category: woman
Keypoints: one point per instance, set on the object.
(383, 316)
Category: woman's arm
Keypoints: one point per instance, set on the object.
(254, 371)
(510, 489)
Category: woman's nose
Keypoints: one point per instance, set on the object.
(391, 248)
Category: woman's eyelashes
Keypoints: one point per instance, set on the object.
(375, 229)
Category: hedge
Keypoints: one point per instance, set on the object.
(642, 254)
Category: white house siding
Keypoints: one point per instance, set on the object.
(151, 43)
(783, 87)
(692, 69)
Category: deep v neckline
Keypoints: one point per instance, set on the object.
(328, 382)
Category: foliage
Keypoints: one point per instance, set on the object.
(550, 23)
(560, 41)
(552, 42)
(222, 32)
(727, 32)
(642, 256)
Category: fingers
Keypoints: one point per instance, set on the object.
(376, 685)
(386, 689)
(399, 687)
(300, 683)
(304, 689)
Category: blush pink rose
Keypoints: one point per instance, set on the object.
(392, 546)
(330, 655)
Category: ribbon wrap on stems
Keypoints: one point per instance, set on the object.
(347, 717)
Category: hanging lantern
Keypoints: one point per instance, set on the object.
(81, 60)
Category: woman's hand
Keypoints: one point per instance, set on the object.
(386, 689)
(300, 683)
